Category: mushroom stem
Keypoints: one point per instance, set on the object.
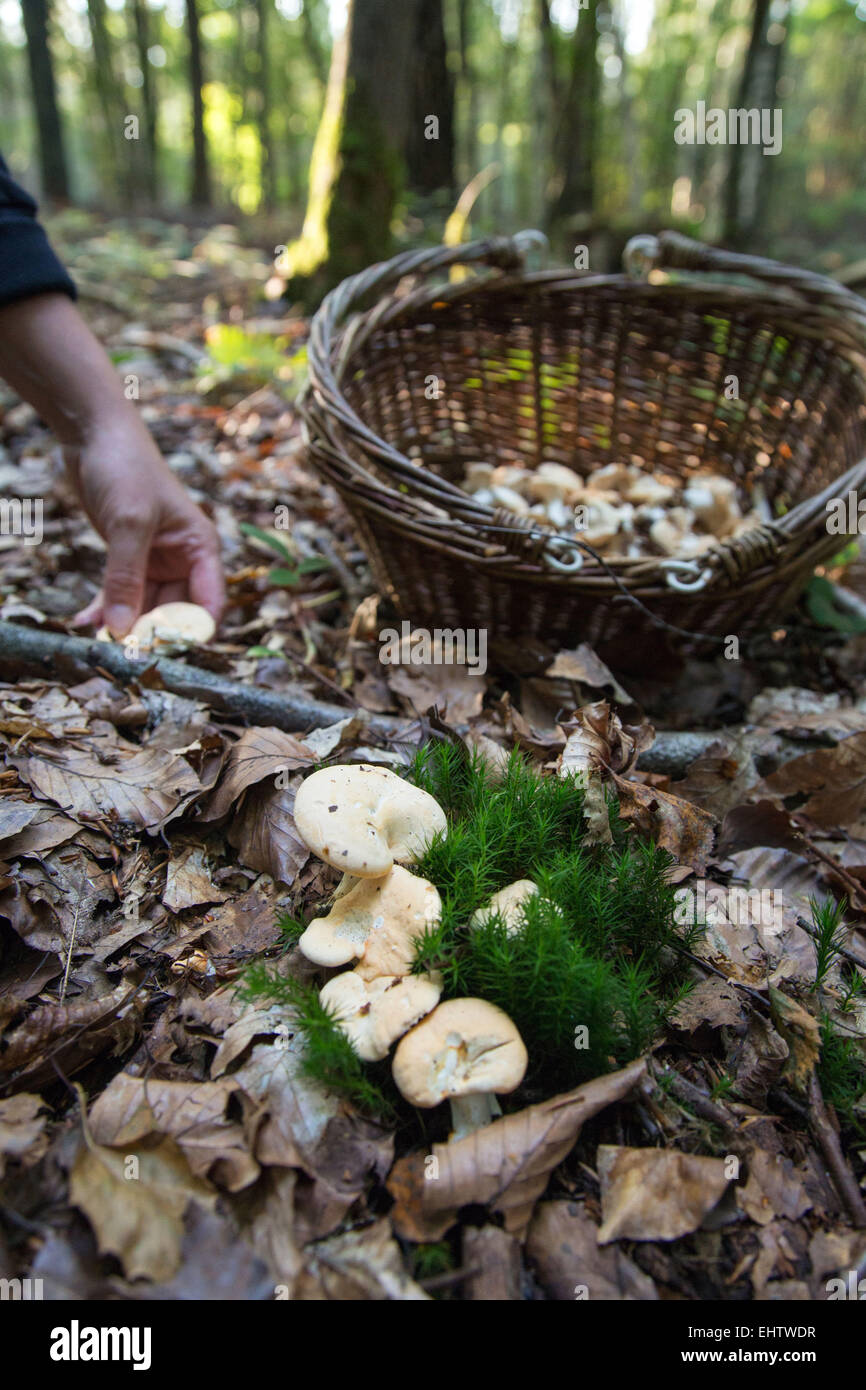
(469, 1113)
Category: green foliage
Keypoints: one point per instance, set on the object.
(290, 573)
(842, 1074)
(828, 919)
(823, 608)
(589, 976)
(328, 1057)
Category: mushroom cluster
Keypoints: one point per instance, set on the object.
(618, 509)
(368, 822)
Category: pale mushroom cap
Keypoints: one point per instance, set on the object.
(508, 903)
(174, 624)
(554, 481)
(169, 625)
(374, 1014)
(378, 922)
(362, 818)
(465, 1047)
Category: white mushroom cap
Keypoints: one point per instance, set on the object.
(713, 499)
(603, 523)
(477, 475)
(374, 1014)
(465, 1047)
(378, 921)
(363, 818)
(169, 625)
(553, 481)
(508, 903)
(509, 500)
(645, 490)
(617, 476)
(510, 475)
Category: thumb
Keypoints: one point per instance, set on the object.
(125, 573)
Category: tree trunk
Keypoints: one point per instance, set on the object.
(429, 148)
(357, 168)
(200, 192)
(264, 110)
(150, 163)
(573, 187)
(52, 156)
(749, 169)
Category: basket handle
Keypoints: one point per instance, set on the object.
(500, 252)
(673, 251)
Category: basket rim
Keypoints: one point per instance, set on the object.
(327, 415)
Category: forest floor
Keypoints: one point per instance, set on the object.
(147, 854)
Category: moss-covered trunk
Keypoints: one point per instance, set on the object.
(357, 168)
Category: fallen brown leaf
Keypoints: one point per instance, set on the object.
(655, 1194)
(504, 1166)
(563, 1245)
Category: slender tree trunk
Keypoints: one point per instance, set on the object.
(313, 46)
(357, 168)
(52, 155)
(429, 155)
(749, 170)
(470, 86)
(200, 192)
(141, 23)
(264, 109)
(573, 189)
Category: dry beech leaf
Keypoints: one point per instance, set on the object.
(563, 1246)
(597, 741)
(192, 1113)
(70, 1034)
(774, 1188)
(264, 835)
(686, 831)
(22, 1135)
(711, 1002)
(801, 1031)
(14, 816)
(258, 753)
(361, 1265)
(833, 779)
(655, 1194)
(136, 1209)
(505, 1166)
(144, 787)
(188, 882)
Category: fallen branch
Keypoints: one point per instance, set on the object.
(846, 1183)
(54, 655)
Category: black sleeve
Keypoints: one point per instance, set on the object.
(28, 265)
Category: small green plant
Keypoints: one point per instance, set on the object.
(328, 1056)
(842, 1074)
(828, 920)
(290, 573)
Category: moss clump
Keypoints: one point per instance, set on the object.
(597, 963)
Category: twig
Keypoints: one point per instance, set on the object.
(828, 1139)
(55, 655)
(837, 947)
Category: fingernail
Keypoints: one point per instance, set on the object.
(119, 620)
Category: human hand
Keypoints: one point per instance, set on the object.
(161, 547)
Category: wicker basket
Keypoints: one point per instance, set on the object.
(585, 370)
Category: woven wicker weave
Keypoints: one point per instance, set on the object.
(585, 370)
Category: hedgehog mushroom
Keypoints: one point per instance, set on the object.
(374, 1014)
(713, 500)
(508, 904)
(171, 626)
(466, 1051)
(363, 819)
(377, 921)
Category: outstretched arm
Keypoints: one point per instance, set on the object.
(160, 546)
